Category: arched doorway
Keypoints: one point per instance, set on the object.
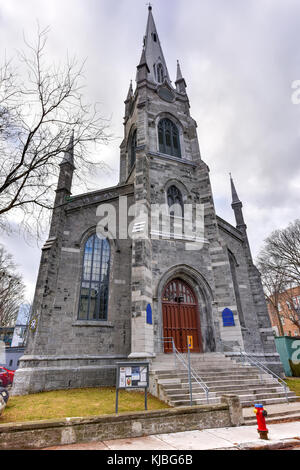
(180, 316)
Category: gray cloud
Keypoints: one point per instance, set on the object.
(239, 60)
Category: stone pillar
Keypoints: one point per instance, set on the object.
(141, 332)
(235, 409)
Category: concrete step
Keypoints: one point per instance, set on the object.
(275, 419)
(256, 394)
(269, 401)
(263, 397)
(289, 412)
(245, 403)
(227, 386)
(222, 376)
(201, 401)
(238, 389)
(211, 374)
(217, 382)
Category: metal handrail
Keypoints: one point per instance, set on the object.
(179, 356)
(264, 368)
(194, 374)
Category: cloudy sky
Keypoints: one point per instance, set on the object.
(239, 59)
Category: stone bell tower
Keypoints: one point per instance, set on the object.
(160, 152)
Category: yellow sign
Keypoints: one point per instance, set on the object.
(190, 342)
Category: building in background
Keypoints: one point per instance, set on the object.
(15, 339)
(20, 330)
(286, 317)
(6, 335)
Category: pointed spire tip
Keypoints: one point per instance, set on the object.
(235, 197)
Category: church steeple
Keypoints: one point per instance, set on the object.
(152, 53)
(128, 100)
(130, 92)
(67, 168)
(180, 81)
(237, 206)
(69, 153)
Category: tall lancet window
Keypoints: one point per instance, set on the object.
(93, 300)
(133, 145)
(168, 138)
(175, 201)
(160, 73)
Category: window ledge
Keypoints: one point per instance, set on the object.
(97, 323)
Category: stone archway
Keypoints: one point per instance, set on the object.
(209, 332)
(180, 316)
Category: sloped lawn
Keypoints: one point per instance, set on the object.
(294, 385)
(75, 403)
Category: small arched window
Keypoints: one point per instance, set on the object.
(168, 138)
(160, 73)
(133, 145)
(93, 300)
(175, 201)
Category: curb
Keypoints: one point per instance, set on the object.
(275, 445)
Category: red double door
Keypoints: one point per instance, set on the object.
(180, 316)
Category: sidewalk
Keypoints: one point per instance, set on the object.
(239, 438)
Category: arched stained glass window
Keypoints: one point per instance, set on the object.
(160, 73)
(133, 145)
(175, 201)
(93, 300)
(168, 138)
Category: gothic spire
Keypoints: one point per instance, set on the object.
(128, 100)
(235, 198)
(69, 153)
(152, 53)
(237, 206)
(130, 92)
(179, 74)
(180, 81)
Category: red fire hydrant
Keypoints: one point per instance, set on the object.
(261, 422)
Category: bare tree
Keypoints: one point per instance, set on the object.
(40, 106)
(283, 249)
(11, 289)
(279, 265)
(273, 283)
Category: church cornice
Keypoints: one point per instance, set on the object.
(97, 197)
(174, 159)
(230, 229)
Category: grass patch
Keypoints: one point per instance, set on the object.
(74, 403)
(294, 385)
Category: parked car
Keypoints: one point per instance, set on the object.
(11, 374)
(4, 378)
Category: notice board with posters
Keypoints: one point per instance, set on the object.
(131, 375)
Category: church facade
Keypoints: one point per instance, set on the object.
(162, 266)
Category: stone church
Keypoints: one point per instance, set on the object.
(103, 297)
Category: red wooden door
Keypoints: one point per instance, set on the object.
(180, 316)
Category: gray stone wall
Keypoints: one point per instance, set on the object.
(39, 434)
(62, 352)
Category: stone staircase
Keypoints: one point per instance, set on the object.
(221, 374)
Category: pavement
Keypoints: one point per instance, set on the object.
(281, 435)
